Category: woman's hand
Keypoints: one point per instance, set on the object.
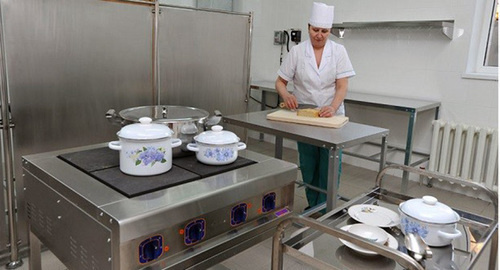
(327, 111)
(290, 101)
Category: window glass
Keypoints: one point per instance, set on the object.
(491, 56)
(482, 61)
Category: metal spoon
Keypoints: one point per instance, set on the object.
(416, 247)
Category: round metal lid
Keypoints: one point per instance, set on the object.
(428, 209)
(145, 130)
(217, 136)
(164, 113)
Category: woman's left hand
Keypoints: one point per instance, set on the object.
(327, 111)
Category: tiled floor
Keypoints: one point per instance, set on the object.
(355, 180)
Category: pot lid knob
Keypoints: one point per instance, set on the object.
(145, 130)
(217, 128)
(145, 120)
(429, 200)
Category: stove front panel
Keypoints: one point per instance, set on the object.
(77, 239)
(191, 237)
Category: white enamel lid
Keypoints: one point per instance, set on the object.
(428, 209)
(145, 130)
(217, 136)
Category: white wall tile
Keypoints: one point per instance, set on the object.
(410, 62)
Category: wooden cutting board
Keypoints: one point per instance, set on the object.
(289, 116)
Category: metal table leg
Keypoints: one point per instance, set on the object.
(409, 149)
(262, 108)
(35, 259)
(494, 250)
(278, 148)
(383, 153)
(333, 176)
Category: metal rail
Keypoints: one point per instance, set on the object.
(278, 248)
(7, 125)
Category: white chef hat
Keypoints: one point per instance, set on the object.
(321, 15)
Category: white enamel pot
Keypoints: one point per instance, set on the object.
(145, 148)
(435, 222)
(216, 147)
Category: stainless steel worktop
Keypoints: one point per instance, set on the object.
(333, 139)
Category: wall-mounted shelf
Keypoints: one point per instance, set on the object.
(446, 26)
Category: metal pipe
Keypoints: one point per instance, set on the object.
(15, 261)
(156, 55)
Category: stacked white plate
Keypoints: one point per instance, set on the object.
(371, 217)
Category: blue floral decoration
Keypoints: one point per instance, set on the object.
(410, 226)
(148, 156)
(219, 154)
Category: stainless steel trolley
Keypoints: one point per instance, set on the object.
(463, 253)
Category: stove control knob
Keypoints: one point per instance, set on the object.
(269, 202)
(239, 214)
(194, 231)
(151, 249)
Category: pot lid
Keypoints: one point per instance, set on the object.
(217, 136)
(428, 209)
(145, 130)
(164, 113)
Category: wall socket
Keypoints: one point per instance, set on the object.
(279, 37)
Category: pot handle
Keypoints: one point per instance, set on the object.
(115, 145)
(176, 142)
(242, 146)
(193, 147)
(452, 235)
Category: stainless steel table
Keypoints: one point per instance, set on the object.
(333, 139)
(410, 106)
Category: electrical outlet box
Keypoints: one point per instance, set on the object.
(295, 35)
(279, 37)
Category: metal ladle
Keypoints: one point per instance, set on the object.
(416, 247)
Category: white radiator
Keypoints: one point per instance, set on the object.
(464, 151)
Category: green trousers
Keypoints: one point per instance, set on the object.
(314, 168)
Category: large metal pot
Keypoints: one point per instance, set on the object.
(435, 222)
(185, 122)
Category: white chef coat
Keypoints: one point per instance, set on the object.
(313, 85)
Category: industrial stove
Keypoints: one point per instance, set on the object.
(92, 216)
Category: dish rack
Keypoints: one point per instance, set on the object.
(477, 233)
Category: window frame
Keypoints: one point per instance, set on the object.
(478, 44)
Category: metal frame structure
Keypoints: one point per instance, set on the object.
(485, 229)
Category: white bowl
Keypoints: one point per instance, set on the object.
(372, 233)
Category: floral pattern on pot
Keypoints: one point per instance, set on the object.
(409, 226)
(219, 154)
(147, 156)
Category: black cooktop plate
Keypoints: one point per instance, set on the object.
(94, 159)
(132, 186)
(193, 165)
(104, 165)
